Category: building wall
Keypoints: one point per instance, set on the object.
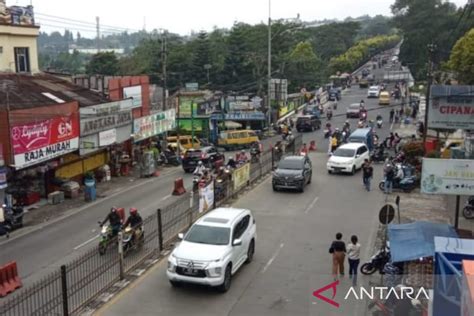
(116, 86)
(18, 36)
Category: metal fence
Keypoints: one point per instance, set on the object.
(71, 288)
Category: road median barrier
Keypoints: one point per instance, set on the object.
(9, 279)
(179, 187)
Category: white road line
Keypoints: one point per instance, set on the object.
(166, 197)
(391, 126)
(272, 258)
(311, 205)
(86, 242)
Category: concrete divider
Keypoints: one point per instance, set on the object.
(9, 279)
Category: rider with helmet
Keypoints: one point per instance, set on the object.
(135, 221)
(115, 221)
(199, 171)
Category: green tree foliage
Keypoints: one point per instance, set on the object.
(423, 22)
(462, 58)
(361, 52)
(103, 64)
(201, 58)
(303, 66)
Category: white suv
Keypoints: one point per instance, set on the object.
(348, 158)
(373, 92)
(213, 249)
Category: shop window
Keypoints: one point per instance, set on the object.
(22, 59)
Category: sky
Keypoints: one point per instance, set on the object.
(185, 16)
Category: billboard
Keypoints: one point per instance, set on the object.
(155, 124)
(447, 176)
(451, 107)
(33, 143)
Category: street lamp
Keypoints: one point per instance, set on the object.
(269, 74)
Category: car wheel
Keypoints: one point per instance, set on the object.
(175, 283)
(353, 171)
(275, 188)
(225, 286)
(309, 180)
(250, 252)
(330, 171)
(301, 188)
(382, 185)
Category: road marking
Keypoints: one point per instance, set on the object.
(391, 125)
(86, 242)
(166, 197)
(272, 258)
(311, 205)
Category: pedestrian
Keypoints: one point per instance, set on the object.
(402, 110)
(367, 173)
(397, 116)
(3, 227)
(338, 251)
(389, 175)
(392, 114)
(353, 256)
(391, 140)
(396, 141)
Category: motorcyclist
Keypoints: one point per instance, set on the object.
(371, 124)
(135, 221)
(304, 150)
(115, 221)
(206, 177)
(362, 104)
(242, 157)
(231, 163)
(378, 117)
(399, 174)
(199, 171)
(329, 113)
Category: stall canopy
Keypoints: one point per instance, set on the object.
(416, 240)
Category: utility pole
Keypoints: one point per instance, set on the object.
(269, 102)
(163, 66)
(431, 49)
(98, 33)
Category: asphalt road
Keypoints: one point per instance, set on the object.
(50, 245)
(291, 260)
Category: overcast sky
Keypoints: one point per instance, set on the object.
(183, 16)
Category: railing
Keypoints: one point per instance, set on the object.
(71, 288)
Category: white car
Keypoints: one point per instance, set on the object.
(373, 92)
(213, 249)
(348, 158)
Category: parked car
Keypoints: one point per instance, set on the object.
(186, 141)
(214, 249)
(353, 110)
(208, 155)
(373, 92)
(384, 98)
(308, 123)
(334, 94)
(292, 172)
(348, 158)
(231, 140)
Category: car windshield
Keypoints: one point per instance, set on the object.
(302, 119)
(209, 235)
(290, 164)
(354, 106)
(344, 152)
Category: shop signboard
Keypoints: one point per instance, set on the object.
(155, 124)
(40, 141)
(107, 108)
(241, 176)
(107, 137)
(206, 198)
(447, 176)
(99, 123)
(135, 93)
(245, 116)
(187, 124)
(188, 102)
(451, 107)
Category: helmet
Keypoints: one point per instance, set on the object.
(347, 121)
(199, 163)
(133, 211)
(113, 209)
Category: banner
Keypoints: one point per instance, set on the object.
(206, 198)
(154, 124)
(46, 153)
(451, 107)
(33, 136)
(241, 176)
(447, 176)
(107, 137)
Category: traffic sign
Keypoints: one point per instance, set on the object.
(386, 214)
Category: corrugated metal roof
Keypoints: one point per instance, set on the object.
(20, 91)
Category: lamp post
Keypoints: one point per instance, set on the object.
(269, 103)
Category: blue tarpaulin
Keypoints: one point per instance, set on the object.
(416, 240)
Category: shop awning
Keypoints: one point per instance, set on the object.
(416, 240)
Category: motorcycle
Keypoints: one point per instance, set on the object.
(254, 155)
(168, 158)
(131, 239)
(363, 116)
(377, 262)
(361, 124)
(334, 105)
(328, 115)
(327, 133)
(104, 238)
(468, 210)
(379, 123)
(407, 184)
(13, 217)
(379, 155)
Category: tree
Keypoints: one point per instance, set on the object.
(304, 66)
(462, 58)
(105, 63)
(201, 57)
